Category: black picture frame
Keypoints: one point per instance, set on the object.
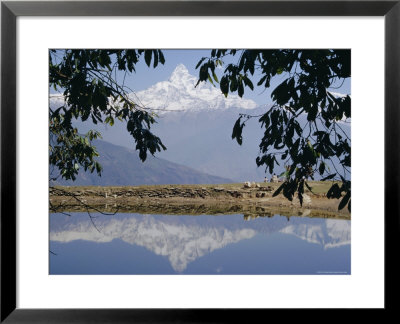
(10, 10)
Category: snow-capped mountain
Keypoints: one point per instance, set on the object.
(179, 93)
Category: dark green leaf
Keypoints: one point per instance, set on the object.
(199, 63)
(321, 168)
(147, 57)
(344, 200)
(278, 191)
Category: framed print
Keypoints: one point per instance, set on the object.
(248, 259)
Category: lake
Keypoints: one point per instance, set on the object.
(203, 244)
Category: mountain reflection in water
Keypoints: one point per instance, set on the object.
(225, 244)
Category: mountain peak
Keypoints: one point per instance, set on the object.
(180, 73)
(180, 68)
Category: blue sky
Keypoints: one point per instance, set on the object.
(146, 77)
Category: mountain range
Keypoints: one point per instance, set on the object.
(195, 124)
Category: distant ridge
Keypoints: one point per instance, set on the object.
(122, 167)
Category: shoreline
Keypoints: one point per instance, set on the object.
(195, 200)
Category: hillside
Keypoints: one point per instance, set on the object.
(122, 167)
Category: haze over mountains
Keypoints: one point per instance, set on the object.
(195, 124)
(122, 167)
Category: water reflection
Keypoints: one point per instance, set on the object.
(330, 234)
(198, 244)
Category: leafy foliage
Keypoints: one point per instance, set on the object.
(305, 150)
(87, 79)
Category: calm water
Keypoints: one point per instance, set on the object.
(223, 244)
